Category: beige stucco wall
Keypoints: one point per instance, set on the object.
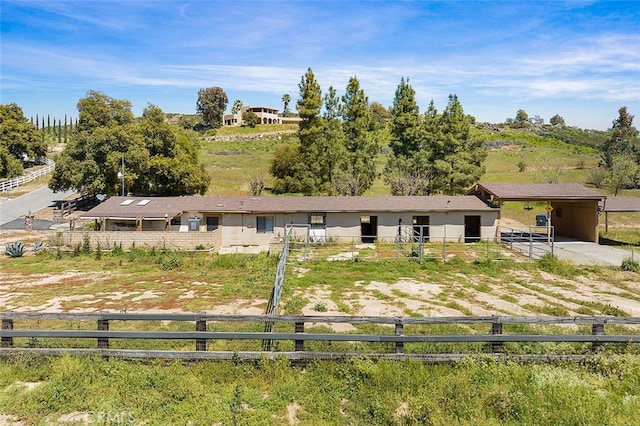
(238, 232)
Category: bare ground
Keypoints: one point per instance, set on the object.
(522, 293)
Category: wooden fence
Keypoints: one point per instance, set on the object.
(392, 343)
(8, 185)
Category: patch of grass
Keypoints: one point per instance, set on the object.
(294, 305)
(552, 264)
(509, 298)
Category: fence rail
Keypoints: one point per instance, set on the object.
(8, 185)
(534, 241)
(493, 339)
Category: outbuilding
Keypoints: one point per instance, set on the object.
(253, 223)
(572, 208)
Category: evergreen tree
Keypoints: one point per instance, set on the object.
(311, 135)
(361, 146)
(334, 138)
(211, 104)
(405, 121)
(433, 153)
(623, 140)
(409, 171)
(458, 160)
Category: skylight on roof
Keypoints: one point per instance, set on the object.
(126, 202)
(143, 202)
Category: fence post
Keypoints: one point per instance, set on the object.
(103, 342)
(201, 344)
(7, 342)
(399, 332)
(597, 330)
(496, 329)
(299, 344)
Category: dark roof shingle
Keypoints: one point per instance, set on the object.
(157, 207)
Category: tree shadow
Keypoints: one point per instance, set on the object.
(611, 242)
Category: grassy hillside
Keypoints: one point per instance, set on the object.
(357, 392)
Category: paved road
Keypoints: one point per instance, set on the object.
(16, 208)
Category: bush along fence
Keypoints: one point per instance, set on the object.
(296, 337)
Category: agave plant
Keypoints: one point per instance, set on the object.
(16, 249)
(37, 246)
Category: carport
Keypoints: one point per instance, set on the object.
(573, 208)
(618, 205)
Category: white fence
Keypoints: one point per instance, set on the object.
(8, 185)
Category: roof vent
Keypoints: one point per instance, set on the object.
(126, 202)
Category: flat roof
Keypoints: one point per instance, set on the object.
(535, 191)
(157, 207)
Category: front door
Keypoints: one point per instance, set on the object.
(369, 229)
(212, 223)
(471, 229)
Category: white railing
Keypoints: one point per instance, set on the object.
(8, 185)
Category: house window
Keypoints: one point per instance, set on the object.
(317, 220)
(558, 211)
(264, 224)
(194, 224)
(175, 220)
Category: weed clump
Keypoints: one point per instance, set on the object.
(630, 264)
(550, 263)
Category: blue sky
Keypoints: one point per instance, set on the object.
(578, 59)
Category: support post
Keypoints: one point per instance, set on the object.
(299, 344)
(103, 342)
(7, 342)
(399, 332)
(201, 344)
(496, 329)
(597, 330)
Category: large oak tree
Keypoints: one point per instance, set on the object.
(158, 158)
(20, 141)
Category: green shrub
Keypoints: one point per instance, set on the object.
(86, 243)
(320, 307)
(173, 261)
(117, 248)
(630, 264)
(550, 263)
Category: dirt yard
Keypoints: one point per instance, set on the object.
(522, 292)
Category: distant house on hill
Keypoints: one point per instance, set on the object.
(265, 115)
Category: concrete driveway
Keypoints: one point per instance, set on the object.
(13, 211)
(584, 253)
